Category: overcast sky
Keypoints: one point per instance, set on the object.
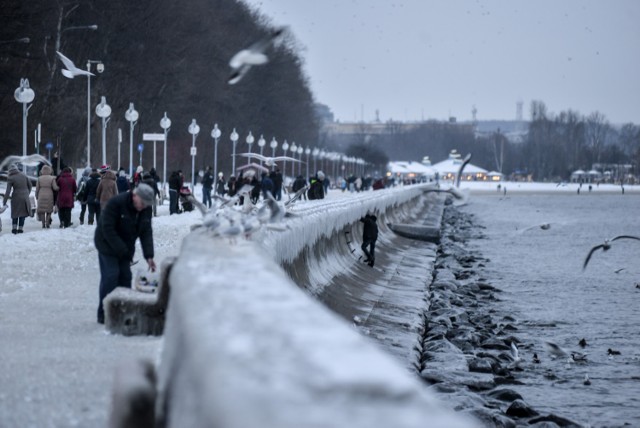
(415, 59)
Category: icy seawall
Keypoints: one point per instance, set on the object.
(245, 346)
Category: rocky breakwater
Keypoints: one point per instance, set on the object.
(470, 355)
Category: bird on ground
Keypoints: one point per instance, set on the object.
(515, 355)
(268, 161)
(255, 54)
(70, 71)
(582, 342)
(605, 247)
(536, 360)
(586, 380)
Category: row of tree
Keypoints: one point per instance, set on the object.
(553, 146)
(162, 55)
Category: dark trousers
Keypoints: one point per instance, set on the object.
(94, 210)
(83, 209)
(371, 253)
(206, 196)
(65, 216)
(173, 202)
(114, 272)
(18, 222)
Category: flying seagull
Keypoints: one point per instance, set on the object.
(30, 160)
(267, 160)
(606, 246)
(70, 71)
(255, 54)
(453, 191)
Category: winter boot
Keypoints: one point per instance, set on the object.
(14, 231)
(20, 229)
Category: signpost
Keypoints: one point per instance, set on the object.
(155, 138)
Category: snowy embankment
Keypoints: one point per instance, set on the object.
(243, 338)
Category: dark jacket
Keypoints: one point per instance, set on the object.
(276, 177)
(91, 188)
(175, 182)
(316, 190)
(266, 184)
(370, 232)
(299, 183)
(207, 180)
(122, 183)
(120, 225)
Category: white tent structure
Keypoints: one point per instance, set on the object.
(411, 171)
(448, 169)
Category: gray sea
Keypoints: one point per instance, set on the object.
(553, 299)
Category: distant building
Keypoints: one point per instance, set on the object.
(448, 169)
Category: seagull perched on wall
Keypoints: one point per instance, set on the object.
(70, 71)
(605, 246)
(267, 160)
(255, 54)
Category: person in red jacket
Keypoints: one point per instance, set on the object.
(66, 196)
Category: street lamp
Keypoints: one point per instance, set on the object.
(315, 154)
(234, 139)
(132, 116)
(294, 149)
(285, 147)
(261, 144)
(250, 141)
(194, 130)
(307, 151)
(215, 134)
(300, 151)
(104, 111)
(165, 123)
(273, 144)
(119, 144)
(24, 95)
(100, 68)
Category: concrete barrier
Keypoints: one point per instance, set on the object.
(246, 347)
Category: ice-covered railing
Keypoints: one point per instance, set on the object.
(246, 347)
(314, 220)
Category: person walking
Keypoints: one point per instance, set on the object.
(125, 218)
(266, 185)
(46, 187)
(316, 189)
(207, 186)
(148, 179)
(81, 196)
(107, 188)
(93, 203)
(66, 196)
(174, 187)
(221, 185)
(18, 188)
(369, 238)
(299, 184)
(276, 177)
(122, 182)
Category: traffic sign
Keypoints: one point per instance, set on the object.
(193, 151)
(152, 137)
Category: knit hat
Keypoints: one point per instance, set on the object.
(87, 171)
(13, 168)
(145, 192)
(105, 168)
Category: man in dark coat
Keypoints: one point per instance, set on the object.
(316, 189)
(207, 186)
(175, 183)
(126, 217)
(369, 238)
(266, 184)
(276, 178)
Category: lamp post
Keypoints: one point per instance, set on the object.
(250, 141)
(300, 151)
(165, 123)
(273, 144)
(194, 130)
(234, 139)
(215, 134)
(132, 116)
(285, 147)
(24, 95)
(294, 150)
(100, 69)
(103, 110)
(261, 144)
(119, 144)
(315, 154)
(307, 151)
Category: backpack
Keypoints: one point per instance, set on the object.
(81, 195)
